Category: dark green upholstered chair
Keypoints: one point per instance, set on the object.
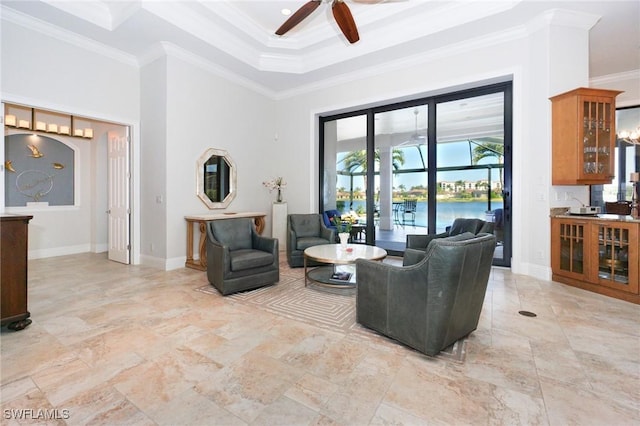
(238, 258)
(430, 304)
(459, 226)
(303, 231)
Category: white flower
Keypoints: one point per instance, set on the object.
(277, 183)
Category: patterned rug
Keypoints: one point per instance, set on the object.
(332, 310)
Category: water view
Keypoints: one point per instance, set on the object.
(446, 211)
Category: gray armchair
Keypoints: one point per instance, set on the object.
(430, 304)
(238, 258)
(303, 231)
(459, 226)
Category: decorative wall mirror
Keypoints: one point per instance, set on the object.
(216, 178)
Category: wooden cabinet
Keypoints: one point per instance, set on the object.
(13, 273)
(615, 255)
(570, 248)
(583, 136)
(597, 255)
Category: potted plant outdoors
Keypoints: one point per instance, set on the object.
(343, 228)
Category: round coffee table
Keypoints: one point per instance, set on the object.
(340, 271)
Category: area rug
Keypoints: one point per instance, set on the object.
(329, 310)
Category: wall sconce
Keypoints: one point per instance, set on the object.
(41, 125)
(10, 120)
(88, 133)
(78, 132)
(23, 124)
(64, 130)
(52, 128)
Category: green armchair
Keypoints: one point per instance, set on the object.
(303, 231)
(430, 304)
(459, 226)
(238, 258)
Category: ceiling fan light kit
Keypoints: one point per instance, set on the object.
(341, 13)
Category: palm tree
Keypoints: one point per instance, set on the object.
(356, 162)
(487, 150)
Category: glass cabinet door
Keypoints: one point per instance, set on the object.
(617, 252)
(597, 160)
(572, 248)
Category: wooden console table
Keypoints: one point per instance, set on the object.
(201, 220)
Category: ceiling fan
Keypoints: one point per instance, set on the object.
(416, 137)
(341, 13)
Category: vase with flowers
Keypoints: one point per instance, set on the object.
(276, 184)
(343, 228)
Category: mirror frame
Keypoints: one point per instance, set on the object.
(200, 178)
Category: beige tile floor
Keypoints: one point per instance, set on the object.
(114, 344)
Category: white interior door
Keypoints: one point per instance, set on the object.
(119, 210)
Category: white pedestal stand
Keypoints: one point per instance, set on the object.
(279, 224)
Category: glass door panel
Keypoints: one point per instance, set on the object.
(613, 254)
(470, 153)
(596, 156)
(401, 175)
(345, 172)
(572, 248)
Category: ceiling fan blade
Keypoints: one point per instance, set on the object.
(345, 21)
(300, 14)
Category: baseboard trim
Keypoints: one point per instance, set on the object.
(59, 251)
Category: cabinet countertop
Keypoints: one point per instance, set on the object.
(608, 217)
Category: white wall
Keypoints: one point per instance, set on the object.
(153, 168)
(206, 111)
(195, 110)
(42, 71)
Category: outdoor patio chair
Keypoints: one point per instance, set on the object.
(408, 212)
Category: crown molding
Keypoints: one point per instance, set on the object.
(562, 17)
(26, 21)
(94, 11)
(162, 49)
(603, 80)
(410, 61)
(97, 11)
(183, 17)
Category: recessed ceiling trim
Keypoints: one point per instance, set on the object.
(94, 11)
(410, 61)
(444, 18)
(169, 49)
(239, 20)
(56, 32)
(183, 17)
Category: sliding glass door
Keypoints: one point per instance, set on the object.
(413, 167)
(470, 153)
